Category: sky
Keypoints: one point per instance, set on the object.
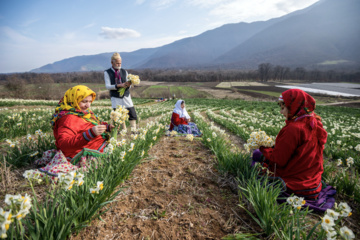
(34, 33)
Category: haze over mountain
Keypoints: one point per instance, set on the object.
(325, 34)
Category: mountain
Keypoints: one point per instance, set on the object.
(323, 35)
(328, 31)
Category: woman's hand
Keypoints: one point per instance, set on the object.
(98, 129)
(111, 127)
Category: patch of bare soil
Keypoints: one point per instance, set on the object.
(174, 194)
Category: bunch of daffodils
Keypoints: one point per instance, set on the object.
(19, 206)
(5, 221)
(258, 139)
(349, 162)
(135, 80)
(328, 222)
(98, 188)
(67, 180)
(190, 137)
(357, 148)
(33, 175)
(173, 133)
(119, 116)
(296, 201)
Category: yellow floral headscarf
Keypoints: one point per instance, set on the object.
(69, 104)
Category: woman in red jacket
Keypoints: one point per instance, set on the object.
(77, 130)
(180, 120)
(297, 157)
(79, 135)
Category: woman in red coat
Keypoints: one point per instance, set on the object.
(180, 120)
(297, 157)
(79, 135)
(77, 130)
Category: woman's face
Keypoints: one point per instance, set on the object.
(182, 105)
(284, 110)
(85, 103)
(116, 64)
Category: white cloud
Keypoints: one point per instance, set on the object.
(14, 36)
(118, 33)
(89, 25)
(161, 4)
(139, 2)
(248, 11)
(29, 22)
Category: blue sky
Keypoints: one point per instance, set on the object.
(34, 33)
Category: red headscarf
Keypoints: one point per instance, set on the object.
(302, 105)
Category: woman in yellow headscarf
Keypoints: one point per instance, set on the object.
(77, 130)
(80, 135)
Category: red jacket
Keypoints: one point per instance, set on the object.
(176, 121)
(72, 134)
(298, 156)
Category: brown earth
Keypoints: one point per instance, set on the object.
(174, 194)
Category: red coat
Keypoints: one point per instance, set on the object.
(298, 156)
(72, 134)
(176, 120)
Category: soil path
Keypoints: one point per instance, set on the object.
(173, 194)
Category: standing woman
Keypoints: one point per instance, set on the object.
(116, 78)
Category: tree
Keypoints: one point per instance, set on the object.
(264, 71)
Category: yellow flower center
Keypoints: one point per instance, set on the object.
(9, 217)
(7, 226)
(93, 191)
(327, 221)
(19, 216)
(350, 213)
(303, 202)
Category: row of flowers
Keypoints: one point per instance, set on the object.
(289, 222)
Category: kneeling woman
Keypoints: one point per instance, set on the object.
(297, 157)
(180, 120)
(79, 134)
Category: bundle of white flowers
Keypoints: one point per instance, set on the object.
(173, 133)
(109, 148)
(19, 206)
(32, 175)
(190, 137)
(258, 139)
(357, 148)
(328, 222)
(67, 180)
(5, 221)
(119, 116)
(135, 80)
(296, 201)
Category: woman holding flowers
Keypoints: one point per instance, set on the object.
(76, 128)
(116, 80)
(79, 134)
(297, 157)
(180, 120)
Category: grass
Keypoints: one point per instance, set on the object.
(169, 91)
(273, 94)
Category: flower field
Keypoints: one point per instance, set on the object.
(81, 197)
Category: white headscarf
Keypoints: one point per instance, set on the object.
(181, 111)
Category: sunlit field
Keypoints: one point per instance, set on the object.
(26, 133)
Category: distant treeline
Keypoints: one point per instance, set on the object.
(264, 73)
